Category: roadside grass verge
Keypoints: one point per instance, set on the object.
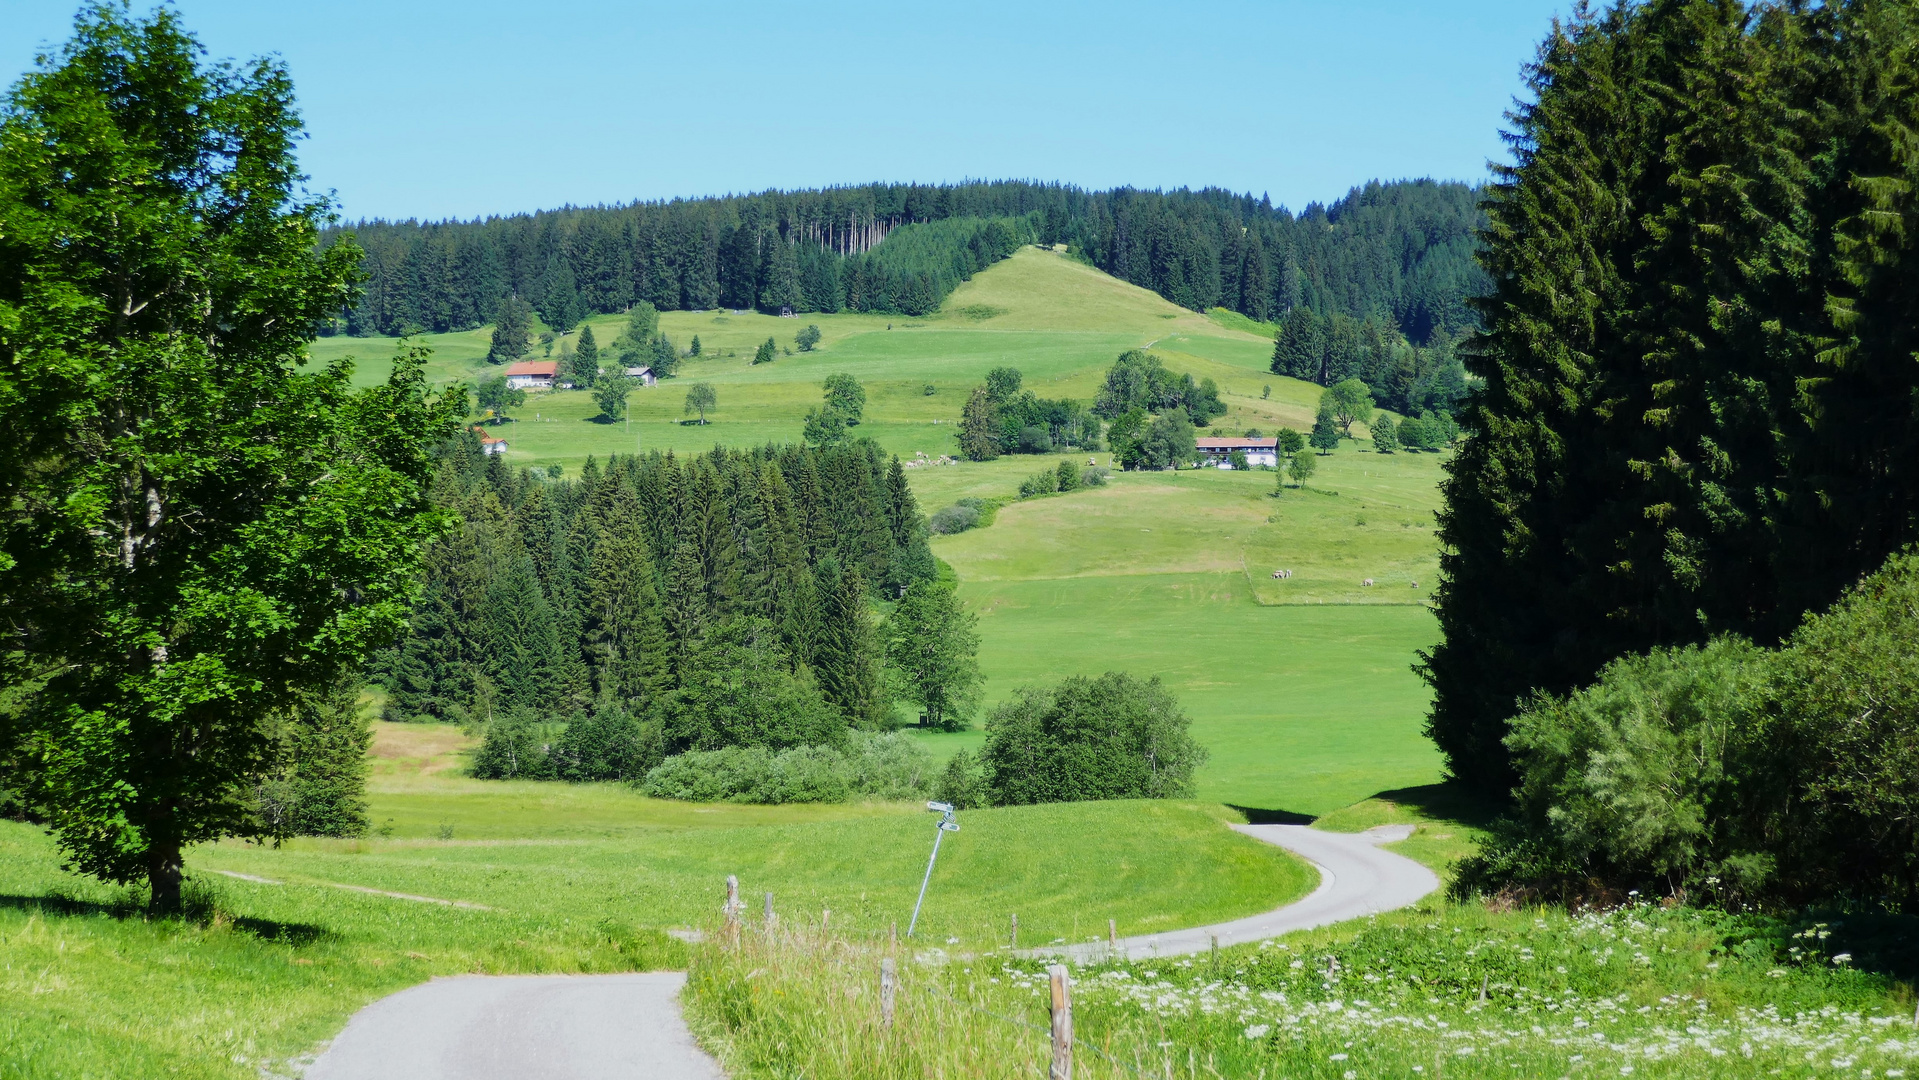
(1441, 990)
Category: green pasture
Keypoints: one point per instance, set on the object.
(1302, 689)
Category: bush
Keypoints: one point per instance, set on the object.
(807, 339)
(1068, 476)
(1729, 772)
(515, 748)
(1094, 476)
(1111, 737)
(610, 745)
(1040, 483)
(953, 519)
(961, 783)
(1035, 439)
(881, 766)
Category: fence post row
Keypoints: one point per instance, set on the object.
(888, 984)
(1062, 1068)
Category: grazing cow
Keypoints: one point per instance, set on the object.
(1367, 583)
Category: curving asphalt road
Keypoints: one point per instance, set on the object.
(522, 1027)
(1357, 878)
(629, 1027)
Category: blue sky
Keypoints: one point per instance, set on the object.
(461, 109)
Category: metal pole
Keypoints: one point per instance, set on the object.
(937, 837)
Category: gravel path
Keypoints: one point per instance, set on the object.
(522, 1027)
(1356, 879)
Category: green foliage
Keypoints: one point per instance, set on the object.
(200, 534)
(1325, 434)
(738, 688)
(584, 367)
(1301, 468)
(1290, 442)
(768, 352)
(962, 784)
(1067, 476)
(825, 426)
(322, 789)
(1002, 384)
(932, 649)
(665, 361)
(978, 427)
(808, 338)
(1110, 737)
(1166, 441)
(1730, 772)
(700, 397)
(885, 765)
(516, 747)
(953, 519)
(1671, 441)
(610, 392)
(693, 350)
(1044, 482)
(512, 331)
(495, 396)
(1385, 435)
(634, 346)
(845, 395)
(1350, 402)
(610, 744)
(1139, 380)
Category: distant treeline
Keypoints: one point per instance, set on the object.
(1399, 253)
(648, 587)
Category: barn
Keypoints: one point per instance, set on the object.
(1219, 451)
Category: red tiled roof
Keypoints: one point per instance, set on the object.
(534, 367)
(1238, 444)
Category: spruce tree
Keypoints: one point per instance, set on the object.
(512, 331)
(843, 656)
(586, 359)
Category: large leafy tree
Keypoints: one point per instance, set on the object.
(197, 534)
(932, 643)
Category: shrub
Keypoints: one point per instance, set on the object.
(808, 338)
(1094, 476)
(1068, 476)
(1035, 439)
(1040, 483)
(515, 748)
(953, 519)
(610, 745)
(882, 766)
(961, 783)
(1730, 772)
(1111, 737)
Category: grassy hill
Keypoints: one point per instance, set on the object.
(1302, 689)
(1059, 321)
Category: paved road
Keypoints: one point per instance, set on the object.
(522, 1027)
(1356, 879)
(628, 1027)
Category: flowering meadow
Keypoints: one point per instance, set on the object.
(1445, 990)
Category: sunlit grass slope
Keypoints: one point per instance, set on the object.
(1301, 689)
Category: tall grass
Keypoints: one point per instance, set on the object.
(1444, 991)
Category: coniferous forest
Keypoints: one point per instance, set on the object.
(1398, 254)
(660, 604)
(1698, 412)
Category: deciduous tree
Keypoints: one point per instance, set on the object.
(198, 534)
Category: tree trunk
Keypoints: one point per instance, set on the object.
(164, 869)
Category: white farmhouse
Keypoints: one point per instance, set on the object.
(1218, 451)
(532, 374)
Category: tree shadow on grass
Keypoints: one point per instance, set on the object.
(1256, 816)
(56, 905)
(1446, 802)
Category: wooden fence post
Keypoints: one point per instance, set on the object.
(1112, 934)
(732, 907)
(1015, 937)
(826, 918)
(770, 917)
(888, 983)
(1062, 1068)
